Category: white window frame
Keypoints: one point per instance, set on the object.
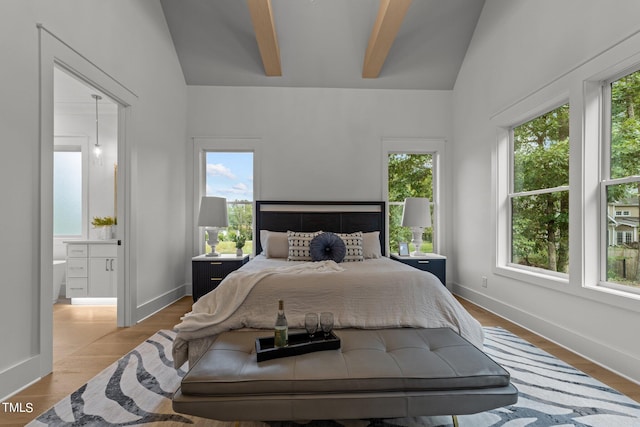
(512, 194)
(528, 109)
(582, 86)
(624, 237)
(606, 181)
(202, 145)
(436, 147)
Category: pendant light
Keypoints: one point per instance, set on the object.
(97, 149)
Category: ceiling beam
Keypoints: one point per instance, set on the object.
(390, 16)
(265, 29)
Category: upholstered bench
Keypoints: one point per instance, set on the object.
(388, 373)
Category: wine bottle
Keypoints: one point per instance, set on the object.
(281, 338)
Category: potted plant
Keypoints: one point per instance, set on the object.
(105, 226)
(240, 240)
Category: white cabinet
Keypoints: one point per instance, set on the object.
(77, 270)
(92, 269)
(102, 277)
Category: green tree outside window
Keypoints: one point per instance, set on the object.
(540, 202)
(410, 175)
(623, 256)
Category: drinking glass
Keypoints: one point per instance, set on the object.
(326, 323)
(311, 324)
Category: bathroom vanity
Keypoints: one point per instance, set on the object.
(92, 268)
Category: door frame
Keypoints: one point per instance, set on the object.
(55, 52)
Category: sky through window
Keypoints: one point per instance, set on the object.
(230, 175)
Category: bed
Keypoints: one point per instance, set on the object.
(373, 292)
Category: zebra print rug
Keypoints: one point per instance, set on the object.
(137, 390)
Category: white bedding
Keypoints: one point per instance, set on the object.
(373, 294)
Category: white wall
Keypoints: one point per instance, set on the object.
(130, 42)
(319, 144)
(519, 48)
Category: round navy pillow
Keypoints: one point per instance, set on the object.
(327, 246)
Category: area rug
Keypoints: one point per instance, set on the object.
(137, 390)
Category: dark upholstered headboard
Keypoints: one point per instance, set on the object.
(337, 217)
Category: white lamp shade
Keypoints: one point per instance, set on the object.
(416, 212)
(213, 212)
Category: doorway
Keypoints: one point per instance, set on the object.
(54, 52)
(85, 162)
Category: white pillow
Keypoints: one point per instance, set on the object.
(299, 249)
(274, 244)
(371, 245)
(353, 243)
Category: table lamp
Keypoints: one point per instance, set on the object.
(213, 216)
(416, 215)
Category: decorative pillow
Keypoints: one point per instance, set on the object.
(299, 245)
(274, 244)
(371, 245)
(327, 246)
(353, 244)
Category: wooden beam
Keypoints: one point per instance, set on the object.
(265, 29)
(390, 16)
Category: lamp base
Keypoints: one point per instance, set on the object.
(212, 240)
(417, 241)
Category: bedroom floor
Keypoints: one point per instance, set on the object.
(77, 326)
(87, 341)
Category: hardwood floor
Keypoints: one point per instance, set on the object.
(613, 380)
(87, 341)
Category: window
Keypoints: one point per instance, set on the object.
(603, 188)
(539, 192)
(621, 184)
(70, 187)
(624, 237)
(409, 175)
(67, 193)
(230, 175)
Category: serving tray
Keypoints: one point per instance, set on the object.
(299, 343)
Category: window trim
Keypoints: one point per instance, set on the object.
(526, 110)
(512, 194)
(202, 145)
(605, 177)
(595, 154)
(582, 85)
(436, 147)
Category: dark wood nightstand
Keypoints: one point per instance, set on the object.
(207, 272)
(433, 263)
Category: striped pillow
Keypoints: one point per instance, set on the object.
(299, 245)
(353, 242)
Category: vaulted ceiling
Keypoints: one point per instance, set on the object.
(385, 44)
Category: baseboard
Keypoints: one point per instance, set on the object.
(12, 380)
(150, 308)
(622, 364)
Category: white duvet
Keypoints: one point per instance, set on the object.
(373, 294)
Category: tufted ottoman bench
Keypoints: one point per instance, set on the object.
(387, 373)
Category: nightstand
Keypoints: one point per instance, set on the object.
(207, 272)
(433, 263)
